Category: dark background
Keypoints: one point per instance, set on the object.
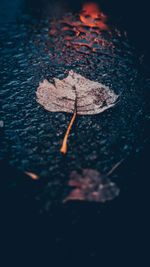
(78, 234)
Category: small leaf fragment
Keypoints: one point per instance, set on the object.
(32, 175)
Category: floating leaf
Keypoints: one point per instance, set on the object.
(88, 96)
(75, 94)
(90, 185)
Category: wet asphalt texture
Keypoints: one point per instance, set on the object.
(33, 214)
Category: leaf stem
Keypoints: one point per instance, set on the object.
(64, 144)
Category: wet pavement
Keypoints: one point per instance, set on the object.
(34, 47)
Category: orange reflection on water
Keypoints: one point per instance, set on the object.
(91, 16)
(82, 32)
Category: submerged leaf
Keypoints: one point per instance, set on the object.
(88, 96)
(91, 185)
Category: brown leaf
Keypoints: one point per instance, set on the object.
(91, 185)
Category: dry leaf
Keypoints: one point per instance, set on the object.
(91, 185)
(75, 94)
(75, 91)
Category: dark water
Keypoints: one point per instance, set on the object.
(31, 137)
